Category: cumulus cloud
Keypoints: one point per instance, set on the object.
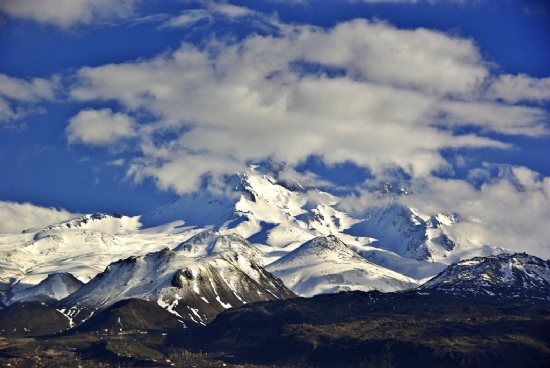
(415, 59)
(18, 96)
(99, 127)
(361, 92)
(16, 217)
(68, 13)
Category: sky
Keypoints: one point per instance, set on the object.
(124, 105)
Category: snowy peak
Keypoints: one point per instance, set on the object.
(327, 265)
(409, 233)
(54, 288)
(326, 247)
(211, 242)
(506, 275)
(242, 204)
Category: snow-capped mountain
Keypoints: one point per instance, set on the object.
(504, 275)
(52, 289)
(211, 242)
(195, 289)
(255, 204)
(410, 234)
(263, 215)
(83, 247)
(263, 210)
(326, 265)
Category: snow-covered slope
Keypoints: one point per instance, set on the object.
(80, 249)
(194, 289)
(211, 242)
(326, 265)
(410, 234)
(418, 270)
(504, 275)
(254, 204)
(115, 223)
(29, 258)
(54, 288)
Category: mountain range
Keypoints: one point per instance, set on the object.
(263, 218)
(255, 237)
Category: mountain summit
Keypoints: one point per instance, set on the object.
(505, 276)
(327, 265)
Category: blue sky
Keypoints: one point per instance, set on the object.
(122, 106)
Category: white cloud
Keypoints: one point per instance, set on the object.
(16, 217)
(117, 162)
(416, 59)
(68, 13)
(229, 10)
(360, 203)
(183, 171)
(18, 89)
(212, 10)
(17, 96)
(513, 120)
(511, 211)
(362, 92)
(99, 127)
(187, 18)
(307, 179)
(516, 88)
(6, 112)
